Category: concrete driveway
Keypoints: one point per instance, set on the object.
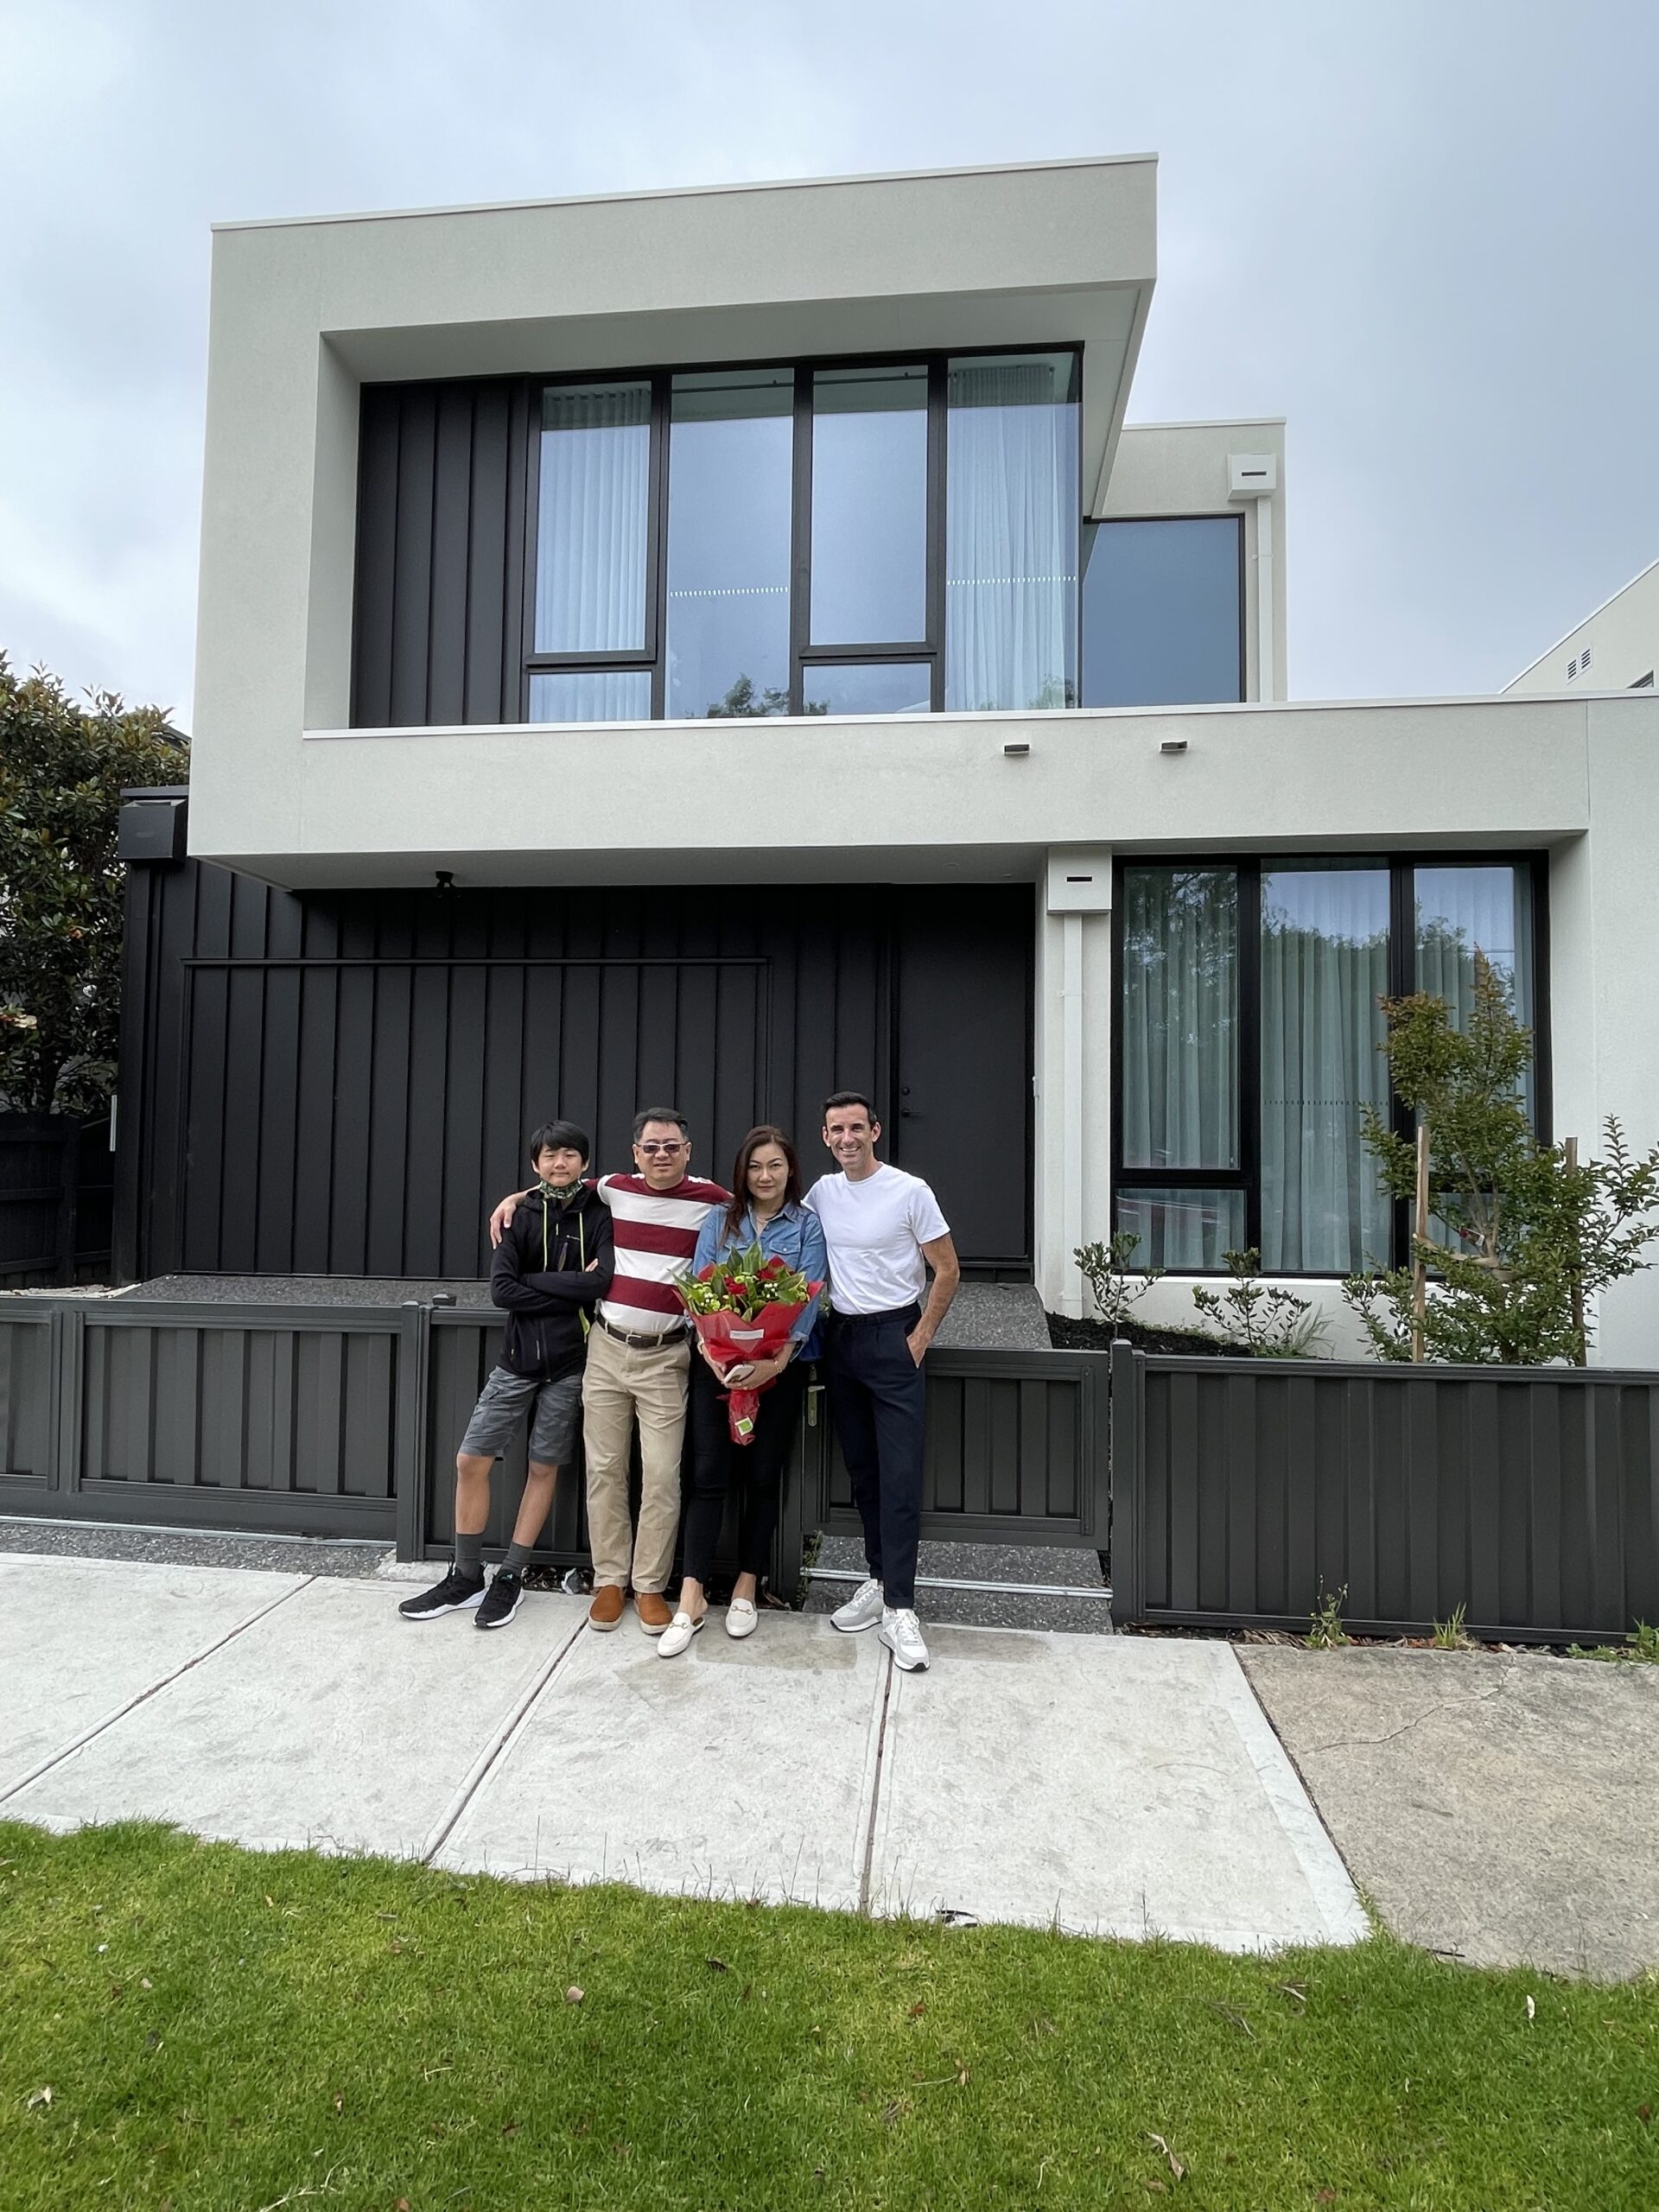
(1498, 1808)
(1108, 1785)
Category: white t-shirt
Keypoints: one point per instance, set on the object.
(875, 1231)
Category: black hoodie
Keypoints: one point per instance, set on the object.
(543, 1275)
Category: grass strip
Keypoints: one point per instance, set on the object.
(223, 2030)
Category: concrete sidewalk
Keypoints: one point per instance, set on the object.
(1497, 1808)
(1110, 1784)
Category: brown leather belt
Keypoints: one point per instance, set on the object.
(645, 1340)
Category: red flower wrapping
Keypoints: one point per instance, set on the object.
(734, 1342)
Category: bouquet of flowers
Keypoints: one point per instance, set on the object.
(742, 1308)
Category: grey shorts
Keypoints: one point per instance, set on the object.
(554, 1410)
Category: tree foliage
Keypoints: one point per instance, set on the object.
(62, 767)
(1518, 1229)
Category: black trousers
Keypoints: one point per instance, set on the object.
(754, 1471)
(878, 1398)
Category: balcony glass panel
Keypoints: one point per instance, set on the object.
(885, 687)
(1161, 612)
(590, 695)
(1180, 1015)
(869, 506)
(1011, 525)
(591, 520)
(731, 441)
(1188, 1231)
(1324, 965)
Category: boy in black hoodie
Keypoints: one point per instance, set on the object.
(554, 1264)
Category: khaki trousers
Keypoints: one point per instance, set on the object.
(619, 1386)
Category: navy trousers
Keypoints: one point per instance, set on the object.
(878, 1398)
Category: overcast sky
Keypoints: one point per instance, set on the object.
(1424, 231)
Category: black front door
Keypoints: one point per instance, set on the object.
(962, 1105)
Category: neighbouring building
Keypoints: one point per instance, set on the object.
(718, 645)
(1615, 648)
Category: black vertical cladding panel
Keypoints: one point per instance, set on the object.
(962, 1115)
(484, 698)
(436, 631)
(452, 468)
(377, 550)
(341, 1082)
(411, 607)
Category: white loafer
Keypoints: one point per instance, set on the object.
(678, 1633)
(741, 1617)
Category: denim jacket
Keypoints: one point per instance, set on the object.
(793, 1236)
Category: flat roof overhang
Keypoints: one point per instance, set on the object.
(1049, 253)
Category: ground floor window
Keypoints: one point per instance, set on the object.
(1248, 1034)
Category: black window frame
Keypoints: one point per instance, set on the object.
(1403, 962)
(803, 654)
(1210, 514)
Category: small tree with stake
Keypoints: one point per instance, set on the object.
(1529, 1233)
(62, 768)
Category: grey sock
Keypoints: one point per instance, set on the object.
(518, 1558)
(469, 1556)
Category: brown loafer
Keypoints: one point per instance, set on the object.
(653, 1611)
(610, 1602)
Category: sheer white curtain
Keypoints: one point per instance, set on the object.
(1179, 1016)
(1011, 535)
(591, 526)
(1325, 966)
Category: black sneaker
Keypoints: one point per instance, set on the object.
(501, 1600)
(456, 1593)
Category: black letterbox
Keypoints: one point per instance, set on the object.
(152, 830)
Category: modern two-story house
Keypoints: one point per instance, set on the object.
(718, 645)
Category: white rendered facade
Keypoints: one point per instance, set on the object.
(286, 788)
(1615, 648)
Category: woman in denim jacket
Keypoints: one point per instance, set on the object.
(766, 1210)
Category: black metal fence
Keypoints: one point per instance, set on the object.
(1231, 1493)
(459, 1345)
(56, 1182)
(1018, 1451)
(300, 1420)
(1245, 1492)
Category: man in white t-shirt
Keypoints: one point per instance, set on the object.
(884, 1231)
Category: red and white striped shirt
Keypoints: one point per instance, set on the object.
(656, 1234)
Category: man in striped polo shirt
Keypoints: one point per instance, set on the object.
(638, 1361)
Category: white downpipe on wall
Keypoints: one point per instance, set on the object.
(1071, 1093)
(1264, 598)
(1252, 480)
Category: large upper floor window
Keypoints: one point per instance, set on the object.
(879, 537)
(1163, 611)
(1249, 1040)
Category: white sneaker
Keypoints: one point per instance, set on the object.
(678, 1633)
(862, 1610)
(902, 1634)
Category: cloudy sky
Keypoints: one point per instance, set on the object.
(1424, 231)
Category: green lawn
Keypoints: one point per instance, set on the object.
(220, 2029)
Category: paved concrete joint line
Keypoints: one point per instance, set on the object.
(498, 1745)
(1150, 1796)
(150, 1689)
(879, 1732)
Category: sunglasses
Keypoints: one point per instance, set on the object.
(651, 1145)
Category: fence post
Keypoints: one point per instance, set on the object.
(69, 1396)
(408, 1458)
(1128, 1380)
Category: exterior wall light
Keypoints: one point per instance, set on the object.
(1016, 752)
(1174, 745)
